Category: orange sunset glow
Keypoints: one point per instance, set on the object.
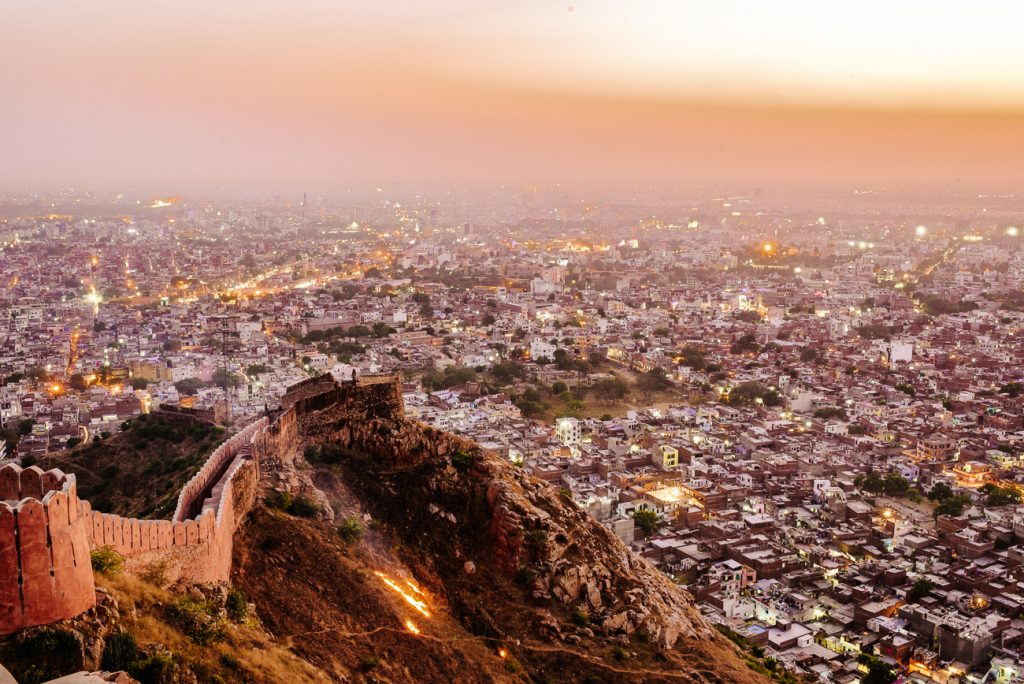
(327, 93)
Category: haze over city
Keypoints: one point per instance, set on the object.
(193, 96)
(533, 342)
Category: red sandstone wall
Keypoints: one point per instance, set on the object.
(46, 532)
(45, 571)
(197, 549)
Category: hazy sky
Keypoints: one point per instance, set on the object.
(191, 94)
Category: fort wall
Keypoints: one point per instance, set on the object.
(47, 533)
(195, 545)
(45, 570)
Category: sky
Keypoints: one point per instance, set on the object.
(189, 95)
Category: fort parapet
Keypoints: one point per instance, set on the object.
(46, 532)
(45, 570)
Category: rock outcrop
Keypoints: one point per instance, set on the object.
(472, 523)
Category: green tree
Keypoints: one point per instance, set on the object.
(189, 386)
(895, 484)
(746, 343)
(940, 491)
(1012, 389)
(654, 380)
(646, 520)
(1000, 496)
(692, 356)
(611, 391)
(919, 590)
(953, 505)
(223, 377)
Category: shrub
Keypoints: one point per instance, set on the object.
(462, 461)
(279, 500)
(230, 662)
(350, 530)
(302, 507)
(107, 561)
(581, 618)
(536, 541)
(120, 652)
(525, 577)
(194, 617)
(237, 605)
(156, 572)
(46, 655)
(158, 668)
(298, 506)
(369, 663)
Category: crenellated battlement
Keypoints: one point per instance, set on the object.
(46, 532)
(45, 570)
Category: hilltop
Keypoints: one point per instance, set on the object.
(580, 608)
(520, 584)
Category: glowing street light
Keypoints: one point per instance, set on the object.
(921, 231)
(1013, 231)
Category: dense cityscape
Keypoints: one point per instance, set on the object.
(805, 410)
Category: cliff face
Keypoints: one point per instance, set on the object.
(511, 567)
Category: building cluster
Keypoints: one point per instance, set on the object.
(814, 425)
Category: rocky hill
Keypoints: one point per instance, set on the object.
(519, 583)
(383, 551)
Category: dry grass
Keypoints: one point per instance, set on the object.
(246, 654)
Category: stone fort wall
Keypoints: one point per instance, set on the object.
(195, 545)
(45, 570)
(46, 532)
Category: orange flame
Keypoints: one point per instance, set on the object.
(416, 603)
(411, 626)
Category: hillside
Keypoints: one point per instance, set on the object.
(580, 609)
(567, 602)
(139, 472)
(385, 552)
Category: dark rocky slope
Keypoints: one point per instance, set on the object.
(522, 585)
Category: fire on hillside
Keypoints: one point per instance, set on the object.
(410, 598)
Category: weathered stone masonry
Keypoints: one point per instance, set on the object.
(45, 572)
(46, 532)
